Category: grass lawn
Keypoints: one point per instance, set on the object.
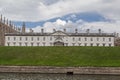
(60, 56)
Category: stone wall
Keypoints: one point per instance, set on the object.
(5, 28)
(60, 70)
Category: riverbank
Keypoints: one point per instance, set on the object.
(60, 56)
(60, 70)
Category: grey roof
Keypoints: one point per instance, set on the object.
(66, 34)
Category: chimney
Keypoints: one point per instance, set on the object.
(23, 27)
(42, 30)
(76, 30)
(88, 31)
(19, 30)
(99, 30)
(64, 30)
(31, 31)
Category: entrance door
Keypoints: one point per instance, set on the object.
(58, 44)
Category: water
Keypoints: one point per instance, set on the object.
(17, 76)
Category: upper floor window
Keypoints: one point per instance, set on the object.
(91, 39)
(50, 38)
(14, 38)
(79, 39)
(26, 38)
(103, 39)
(109, 39)
(43, 38)
(38, 38)
(97, 39)
(31, 38)
(73, 39)
(8, 38)
(20, 38)
(85, 39)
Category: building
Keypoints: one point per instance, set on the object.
(59, 38)
(10, 35)
(6, 27)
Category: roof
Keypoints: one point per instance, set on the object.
(60, 33)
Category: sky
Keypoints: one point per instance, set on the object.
(44, 10)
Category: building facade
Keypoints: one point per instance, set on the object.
(6, 27)
(59, 38)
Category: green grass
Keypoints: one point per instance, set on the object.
(60, 56)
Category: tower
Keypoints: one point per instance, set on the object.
(23, 27)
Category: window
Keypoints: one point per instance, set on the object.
(31, 44)
(79, 44)
(85, 39)
(8, 44)
(14, 43)
(103, 44)
(73, 44)
(109, 39)
(91, 44)
(103, 39)
(14, 38)
(8, 38)
(38, 39)
(91, 39)
(20, 44)
(43, 38)
(26, 38)
(44, 44)
(85, 44)
(31, 38)
(20, 38)
(50, 44)
(38, 44)
(73, 39)
(79, 39)
(97, 39)
(66, 44)
(50, 38)
(26, 44)
(98, 44)
(110, 45)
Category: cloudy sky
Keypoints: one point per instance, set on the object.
(44, 10)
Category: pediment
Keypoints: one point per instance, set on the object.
(59, 33)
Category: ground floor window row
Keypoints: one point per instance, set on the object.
(53, 44)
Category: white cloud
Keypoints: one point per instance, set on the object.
(34, 10)
(106, 27)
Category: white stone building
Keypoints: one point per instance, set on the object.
(59, 38)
